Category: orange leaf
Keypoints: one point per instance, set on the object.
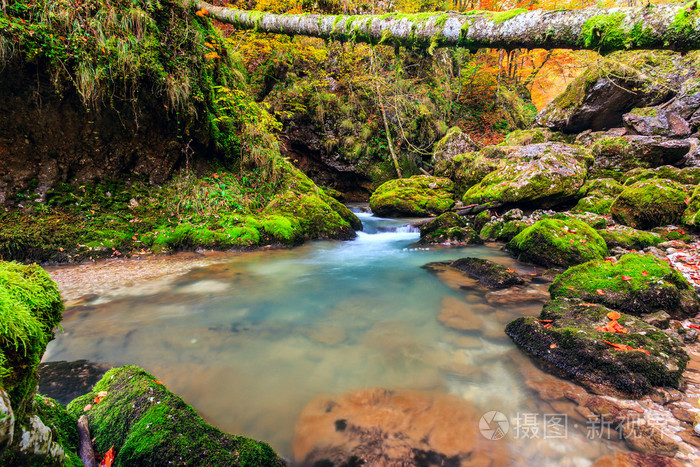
(613, 315)
(97, 400)
(645, 273)
(202, 13)
(157, 382)
(108, 459)
(626, 278)
(571, 288)
(600, 292)
(553, 346)
(548, 326)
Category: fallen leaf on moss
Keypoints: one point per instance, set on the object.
(600, 292)
(108, 458)
(87, 407)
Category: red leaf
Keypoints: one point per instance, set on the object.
(645, 273)
(108, 459)
(626, 278)
(600, 292)
(548, 326)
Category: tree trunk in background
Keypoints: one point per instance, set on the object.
(670, 27)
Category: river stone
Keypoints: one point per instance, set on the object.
(650, 203)
(558, 243)
(457, 314)
(64, 381)
(417, 196)
(449, 227)
(572, 348)
(516, 296)
(394, 427)
(488, 273)
(611, 87)
(636, 459)
(637, 284)
(541, 175)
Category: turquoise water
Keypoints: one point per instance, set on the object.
(251, 341)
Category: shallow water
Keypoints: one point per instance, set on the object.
(250, 341)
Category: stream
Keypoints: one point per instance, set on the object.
(251, 340)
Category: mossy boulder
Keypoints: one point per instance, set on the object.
(541, 175)
(488, 273)
(601, 187)
(558, 243)
(449, 227)
(63, 426)
(571, 347)
(690, 215)
(600, 96)
(501, 230)
(684, 176)
(417, 196)
(454, 142)
(149, 425)
(636, 284)
(650, 203)
(614, 156)
(595, 204)
(466, 170)
(594, 220)
(626, 237)
(534, 136)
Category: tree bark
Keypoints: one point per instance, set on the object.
(670, 27)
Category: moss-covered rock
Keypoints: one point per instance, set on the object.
(454, 142)
(488, 273)
(501, 230)
(595, 204)
(684, 176)
(637, 284)
(534, 136)
(466, 170)
(558, 243)
(417, 196)
(540, 175)
(149, 425)
(63, 426)
(601, 187)
(599, 97)
(571, 347)
(690, 215)
(626, 237)
(449, 227)
(650, 203)
(594, 220)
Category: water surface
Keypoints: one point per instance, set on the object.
(251, 341)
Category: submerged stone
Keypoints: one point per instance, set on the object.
(650, 203)
(557, 242)
(544, 175)
(565, 338)
(488, 273)
(637, 284)
(417, 196)
(149, 425)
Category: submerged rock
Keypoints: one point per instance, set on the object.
(637, 284)
(544, 174)
(402, 427)
(149, 425)
(557, 242)
(457, 314)
(488, 273)
(417, 196)
(566, 339)
(650, 203)
(64, 381)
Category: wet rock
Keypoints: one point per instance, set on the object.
(516, 296)
(417, 196)
(457, 314)
(64, 381)
(607, 90)
(454, 142)
(650, 203)
(488, 273)
(682, 412)
(451, 228)
(622, 236)
(637, 284)
(636, 459)
(402, 427)
(544, 174)
(646, 438)
(557, 242)
(691, 437)
(566, 340)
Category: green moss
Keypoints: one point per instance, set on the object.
(502, 231)
(650, 203)
(448, 228)
(690, 215)
(629, 238)
(605, 33)
(415, 196)
(558, 243)
(636, 284)
(503, 16)
(63, 426)
(149, 425)
(645, 111)
(595, 204)
(533, 136)
(30, 308)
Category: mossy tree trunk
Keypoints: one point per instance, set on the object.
(672, 26)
